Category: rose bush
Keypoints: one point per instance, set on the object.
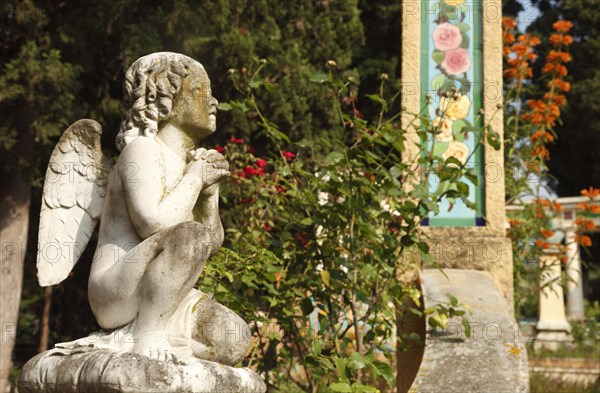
(315, 244)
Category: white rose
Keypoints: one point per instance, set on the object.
(455, 109)
(458, 150)
(444, 129)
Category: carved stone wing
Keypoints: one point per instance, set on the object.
(74, 191)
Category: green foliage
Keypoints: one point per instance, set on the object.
(297, 39)
(585, 334)
(37, 88)
(315, 243)
(49, 94)
(525, 228)
(381, 50)
(439, 315)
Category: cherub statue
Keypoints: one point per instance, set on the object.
(158, 213)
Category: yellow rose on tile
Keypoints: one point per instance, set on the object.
(444, 129)
(455, 108)
(458, 150)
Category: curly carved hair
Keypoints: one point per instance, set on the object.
(151, 84)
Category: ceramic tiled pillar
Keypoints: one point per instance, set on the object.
(458, 45)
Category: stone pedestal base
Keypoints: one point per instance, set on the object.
(552, 328)
(552, 336)
(93, 370)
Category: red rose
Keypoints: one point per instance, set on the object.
(288, 155)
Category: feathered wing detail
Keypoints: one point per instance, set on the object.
(74, 191)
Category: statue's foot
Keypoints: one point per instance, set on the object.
(154, 345)
(186, 360)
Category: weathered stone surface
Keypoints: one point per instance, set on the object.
(93, 370)
(493, 359)
(464, 248)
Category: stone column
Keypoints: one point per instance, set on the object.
(552, 327)
(456, 47)
(575, 278)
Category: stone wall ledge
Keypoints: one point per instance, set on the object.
(492, 359)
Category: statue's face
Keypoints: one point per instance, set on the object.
(195, 109)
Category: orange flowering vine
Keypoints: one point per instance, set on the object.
(585, 224)
(591, 192)
(592, 208)
(586, 241)
(547, 232)
(543, 113)
(542, 244)
(518, 53)
(530, 118)
(584, 220)
(513, 222)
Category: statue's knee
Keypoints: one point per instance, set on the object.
(229, 330)
(243, 333)
(228, 334)
(222, 330)
(237, 340)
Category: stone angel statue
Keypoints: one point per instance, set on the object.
(157, 207)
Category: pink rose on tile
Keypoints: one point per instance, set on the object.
(456, 61)
(446, 36)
